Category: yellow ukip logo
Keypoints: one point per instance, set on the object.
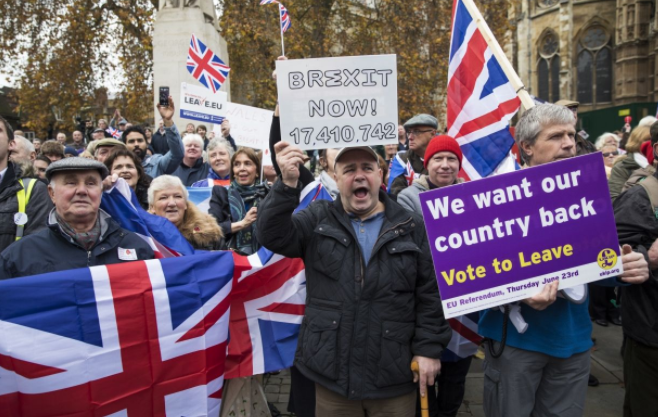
(607, 258)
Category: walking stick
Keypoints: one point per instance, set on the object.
(424, 411)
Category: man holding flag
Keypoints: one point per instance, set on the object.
(372, 304)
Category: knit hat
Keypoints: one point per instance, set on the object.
(442, 143)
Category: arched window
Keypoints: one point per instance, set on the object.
(594, 67)
(548, 68)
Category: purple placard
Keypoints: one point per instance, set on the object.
(498, 241)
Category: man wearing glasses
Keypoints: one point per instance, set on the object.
(420, 129)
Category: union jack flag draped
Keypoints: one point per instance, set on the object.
(481, 99)
(145, 338)
(205, 66)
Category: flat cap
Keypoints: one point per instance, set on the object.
(76, 163)
(567, 103)
(422, 120)
(104, 142)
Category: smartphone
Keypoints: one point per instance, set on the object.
(164, 96)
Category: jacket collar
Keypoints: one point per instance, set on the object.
(108, 225)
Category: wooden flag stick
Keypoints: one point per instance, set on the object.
(498, 52)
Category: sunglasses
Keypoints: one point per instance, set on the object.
(609, 154)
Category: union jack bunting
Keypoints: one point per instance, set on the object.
(205, 66)
(481, 100)
(116, 134)
(145, 338)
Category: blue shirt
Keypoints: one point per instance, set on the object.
(367, 232)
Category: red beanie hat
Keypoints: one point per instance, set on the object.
(442, 143)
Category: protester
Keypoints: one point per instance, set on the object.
(21, 150)
(159, 140)
(390, 150)
(53, 150)
(235, 208)
(101, 149)
(61, 138)
(14, 187)
(637, 226)
(148, 132)
(69, 151)
(545, 370)
(420, 129)
(327, 158)
(359, 362)
(607, 138)
(127, 166)
(226, 133)
(442, 160)
(201, 130)
(79, 233)
(168, 198)
(219, 153)
(628, 163)
(583, 146)
(97, 134)
(78, 142)
(192, 168)
(117, 118)
(36, 142)
(157, 164)
(41, 163)
(402, 139)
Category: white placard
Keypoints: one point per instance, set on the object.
(250, 126)
(337, 102)
(199, 103)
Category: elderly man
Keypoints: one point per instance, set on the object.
(420, 129)
(372, 301)
(24, 204)
(192, 168)
(101, 149)
(79, 233)
(156, 165)
(635, 215)
(97, 134)
(21, 150)
(544, 371)
(61, 138)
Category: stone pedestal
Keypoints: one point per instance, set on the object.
(172, 32)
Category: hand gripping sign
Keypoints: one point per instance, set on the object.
(338, 102)
(502, 239)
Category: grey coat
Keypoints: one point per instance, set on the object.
(409, 198)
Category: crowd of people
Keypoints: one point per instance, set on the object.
(373, 304)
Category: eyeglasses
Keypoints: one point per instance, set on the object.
(417, 132)
(608, 154)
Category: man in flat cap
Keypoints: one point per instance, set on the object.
(101, 149)
(420, 129)
(79, 233)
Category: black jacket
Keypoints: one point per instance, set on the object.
(400, 182)
(37, 208)
(159, 143)
(362, 324)
(52, 250)
(637, 226)
(190, 175)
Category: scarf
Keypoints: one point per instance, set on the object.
(86, 239)
(247, 196)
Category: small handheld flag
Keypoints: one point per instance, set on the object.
(284, 20)
(205, 66)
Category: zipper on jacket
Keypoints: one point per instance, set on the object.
(386, 231)
(88, 257)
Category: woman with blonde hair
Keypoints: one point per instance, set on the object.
(168, 198)
(626, 164)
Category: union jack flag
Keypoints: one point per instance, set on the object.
(205, 66)
(285, 17)
(481, 99)
(144, 338)
(116, 134)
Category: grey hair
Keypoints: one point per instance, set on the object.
(647, 121)
(537, 118)
(25, 143)
(164, 182)
(217, 142)
(600, 141)
(193, 137)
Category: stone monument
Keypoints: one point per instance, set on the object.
(175, 22)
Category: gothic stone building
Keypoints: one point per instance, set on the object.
(601, 53)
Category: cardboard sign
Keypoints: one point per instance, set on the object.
(338, 102)
(250, 126)
(502, 239)
(199, 103)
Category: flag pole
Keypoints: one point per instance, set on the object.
(283, 49)
(498, 52)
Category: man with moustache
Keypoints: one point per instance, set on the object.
(372, 301)
(156, 165)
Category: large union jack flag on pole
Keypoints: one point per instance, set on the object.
(482, 96)
(205, 66)
(145, 338)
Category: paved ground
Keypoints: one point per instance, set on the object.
(603, 401)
